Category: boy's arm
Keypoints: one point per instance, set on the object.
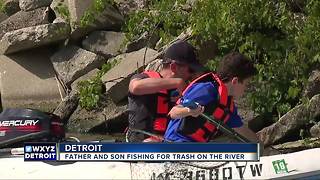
(179, 111)
(152, 85)
(202, 93)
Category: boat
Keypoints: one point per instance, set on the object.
(298, 165)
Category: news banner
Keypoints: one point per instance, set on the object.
(140, 152)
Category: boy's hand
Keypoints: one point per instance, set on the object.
(196, 112)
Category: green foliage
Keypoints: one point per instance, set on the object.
(284, 43)
(96, 8)
(165, 18)
(63, 10)
(1, 5)
(90, 91)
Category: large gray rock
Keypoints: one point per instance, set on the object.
(105, 43)
(291, 147)
(98, 120)
(11, 7)
(117, 79)
(313, 85)
(73, 62)
(155, 65)
(143, 41)
(61, 10)
(3, 16)
(291, 122)
(31, 37)
(315, 130)
(314, 107)
(28, 5)
(78, 8)
(85, 18)
(24, 19)
(28, 81)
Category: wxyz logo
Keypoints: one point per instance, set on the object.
(43, 149)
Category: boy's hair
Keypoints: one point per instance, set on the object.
(235, 64)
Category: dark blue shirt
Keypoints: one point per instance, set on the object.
(202, 93)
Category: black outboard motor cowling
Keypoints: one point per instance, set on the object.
(27, 125)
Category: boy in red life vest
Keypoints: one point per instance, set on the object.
(214, 93)
(149, 92)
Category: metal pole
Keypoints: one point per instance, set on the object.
(218, 124)
(226, 129)
(147, 133)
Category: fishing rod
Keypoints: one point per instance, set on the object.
(222, 127)
(218, 124)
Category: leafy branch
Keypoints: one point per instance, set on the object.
(90, 91)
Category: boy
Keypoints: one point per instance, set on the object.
(214, 93)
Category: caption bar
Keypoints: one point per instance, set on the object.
(141, 152)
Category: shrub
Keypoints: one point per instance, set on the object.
(282, 40)
(90, 91)
(165, 18)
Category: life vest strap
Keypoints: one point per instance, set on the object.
(222, 109)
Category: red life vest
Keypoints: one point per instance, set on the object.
(161, 120)
(201, 129)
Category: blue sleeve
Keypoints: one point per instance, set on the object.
(202, 93)
(235, 120)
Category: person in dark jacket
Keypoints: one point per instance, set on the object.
(150, 92)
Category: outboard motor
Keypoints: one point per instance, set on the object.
(29, 125)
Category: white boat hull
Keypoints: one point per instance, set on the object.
(296, 165)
